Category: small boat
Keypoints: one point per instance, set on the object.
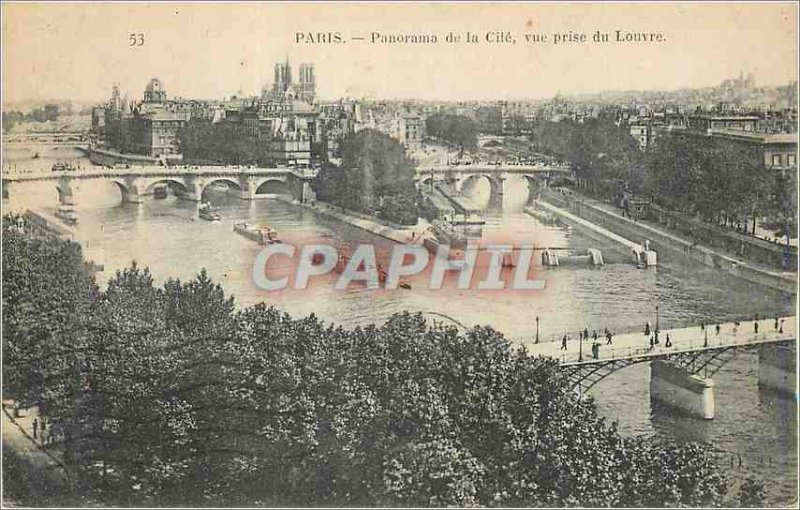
(160, 192)
(263, 235)
(344, 260)
(447, 234)
(60, 166)
(207, 213)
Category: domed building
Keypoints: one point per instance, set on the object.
(154, 92)
(149, 128)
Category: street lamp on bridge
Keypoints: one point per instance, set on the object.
(537, 329)
(657, 317)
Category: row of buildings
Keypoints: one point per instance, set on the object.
(287, 119)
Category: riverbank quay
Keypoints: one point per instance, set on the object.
(774, 255)
(108, 157)
(30, 461)
(588, 226)
(41, 223)
(606, 216)
(392, 232)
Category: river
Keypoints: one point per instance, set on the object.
(760, 427)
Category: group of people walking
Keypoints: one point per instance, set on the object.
(652, 335)
(42, 432)
(584, 335)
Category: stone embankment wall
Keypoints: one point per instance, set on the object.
(392, 232)
(761, 251)
(663, 240)
(108, 157)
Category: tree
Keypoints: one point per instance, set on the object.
(751, 493)
(169, 395)
(457, 130)
(201, 141)
(376, 177)
(606, 159)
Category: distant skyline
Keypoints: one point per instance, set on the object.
(210, 51)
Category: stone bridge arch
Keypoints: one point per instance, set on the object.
(273, 185)
(535, 183)
(234, 185)
(490, 141)
(147, 187)
(466, 185)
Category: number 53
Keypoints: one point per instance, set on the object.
(136, 39)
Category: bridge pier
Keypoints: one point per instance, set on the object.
(246, 189)
(675, 386)
(66, 196)
(194, 191)
(307, 194)
(130, 192)
(777, 366)
(496, 193)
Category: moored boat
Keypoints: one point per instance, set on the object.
(207, 213)
(67, 215)
(263, 235)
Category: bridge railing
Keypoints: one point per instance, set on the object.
(492, 166)
(707, 340)
(11, 170)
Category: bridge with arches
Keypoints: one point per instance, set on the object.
(187, 182)
(682, 372)
(462, 178)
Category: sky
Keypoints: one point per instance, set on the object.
(78, 51)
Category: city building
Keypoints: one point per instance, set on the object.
(641, 132)
(409, 130)
(285, 127)
(283, 87)
(149, 128)
(705, 122)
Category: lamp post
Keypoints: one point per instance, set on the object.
(657, 329)
(580, 347)
(537, 329)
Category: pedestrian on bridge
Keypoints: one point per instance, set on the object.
(586, 333)
(668, 343)
(735, 327)
(780, 327)
(594, 335)
(564, 343)
(647, 329)
(776, 323)
(716, 328)
(608, 338)
(652, 343)
(755, 326)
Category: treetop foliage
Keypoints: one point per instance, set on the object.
(375, 176)
(170, 395)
